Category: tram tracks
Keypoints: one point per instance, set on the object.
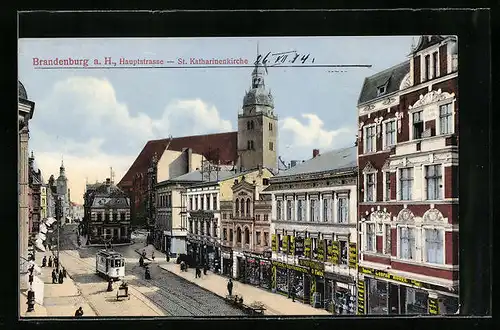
(92, 265)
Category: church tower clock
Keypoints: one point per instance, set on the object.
(258, 125)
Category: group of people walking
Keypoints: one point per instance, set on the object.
(57, 277)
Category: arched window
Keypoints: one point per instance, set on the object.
(248, 207)
(242, 207)
(237, 206)
(238, 235)
(247, 236)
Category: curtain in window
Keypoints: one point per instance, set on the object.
(434, 246)
(370, 237)
(342, 210)
(406, 183)
(404, 238)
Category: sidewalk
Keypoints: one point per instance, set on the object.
(59, 299)
(275, 304)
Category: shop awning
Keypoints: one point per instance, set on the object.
(37, 269)
(39, 245)
(41, 236)
(50, 221)
(43, 228)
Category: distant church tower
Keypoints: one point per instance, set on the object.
(258, 125)
(62, 190)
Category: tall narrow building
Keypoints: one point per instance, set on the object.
(258, 126)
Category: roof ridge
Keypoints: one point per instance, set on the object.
(188, 136)
(392, 68)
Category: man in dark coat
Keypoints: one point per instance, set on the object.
(293, 293)
(61, 277)
(205, 268)
(230, 287)
(50, 261)
(79, 312)
(64, 272)
(54, 276)
(56, 263)
(44, 261)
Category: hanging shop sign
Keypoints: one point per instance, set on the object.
(361, 297)
(312, 264)
(274, 243)
(307, 247)
(292, 267)
(284, 244)
(433, 306)
(299, 246)
(334, 253)
(291, 250)
(353, 255)
(321, 250)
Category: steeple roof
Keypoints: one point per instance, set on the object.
(258, 94)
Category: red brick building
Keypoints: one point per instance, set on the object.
(408, 184)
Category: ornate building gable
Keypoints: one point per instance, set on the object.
(380, 215)
(433, 216)
(431, 97)
(387, 165)
(405, 216)
(369, 168)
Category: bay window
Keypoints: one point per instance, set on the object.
(407, 243)
(406, 183)
(434, 246)
(342, 210)
(433, 179)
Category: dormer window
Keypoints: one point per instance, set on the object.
(381, 90)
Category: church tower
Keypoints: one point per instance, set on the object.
(258, 125)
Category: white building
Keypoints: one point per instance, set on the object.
(313, 226)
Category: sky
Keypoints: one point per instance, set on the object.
(98, 117)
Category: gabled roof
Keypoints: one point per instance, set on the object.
(427, 41)
(329, 161)
(200, 144)
(391, 78)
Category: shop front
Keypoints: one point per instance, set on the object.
(389, 294)
(340, 292)
(227, 261)
(314, 282)
(286, 276)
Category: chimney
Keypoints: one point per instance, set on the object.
(189, 159)
(315, 153)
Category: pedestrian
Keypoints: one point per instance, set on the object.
(205, 268)
(56, 263)
(44, 261)
(54, 276)
(50, 261)
(197, 272)
(153, 255)
(64, 272)
(61, 277)
(79, 312)
(293, 293)
(230, 287)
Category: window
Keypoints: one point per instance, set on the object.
(215, 228)
(224, 215)
(207, 200)
(99, 217)
(434, 246)
(343, 210)
(301, 210)
(106, 217)
(214, 203)
(242, 207)
(230, 235)
(445, 119)
(370, 139)
(257, 217)
(279, 205)
(257, 238)
(209, 231)
(370, 237)
(202, 203)
(343, 252)
(250, 145)
(388, 239)
(237, 206)
(406, 179)
(390, 133)
(326, 210)
(122, 216)
(427, 67)
(313, 216)
(196, 203)
(266, 239)
(271, 146)
(435, 64)
(190, 226)
(407, 243)
(190, 203)
(387, 186)
(370, 187)
(266, 217)
(418, 125)
(381, 90)
(115, 216)
(433, 180)
(265, 181)
(289, 207)
(248, 207)
(250, 124)
(238, 235)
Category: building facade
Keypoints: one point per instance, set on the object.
(408, 196)
(245, 238)
(109, 214)
(314, 235)
(35, 203)
(43, 201)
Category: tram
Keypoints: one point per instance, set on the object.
(110, 265)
